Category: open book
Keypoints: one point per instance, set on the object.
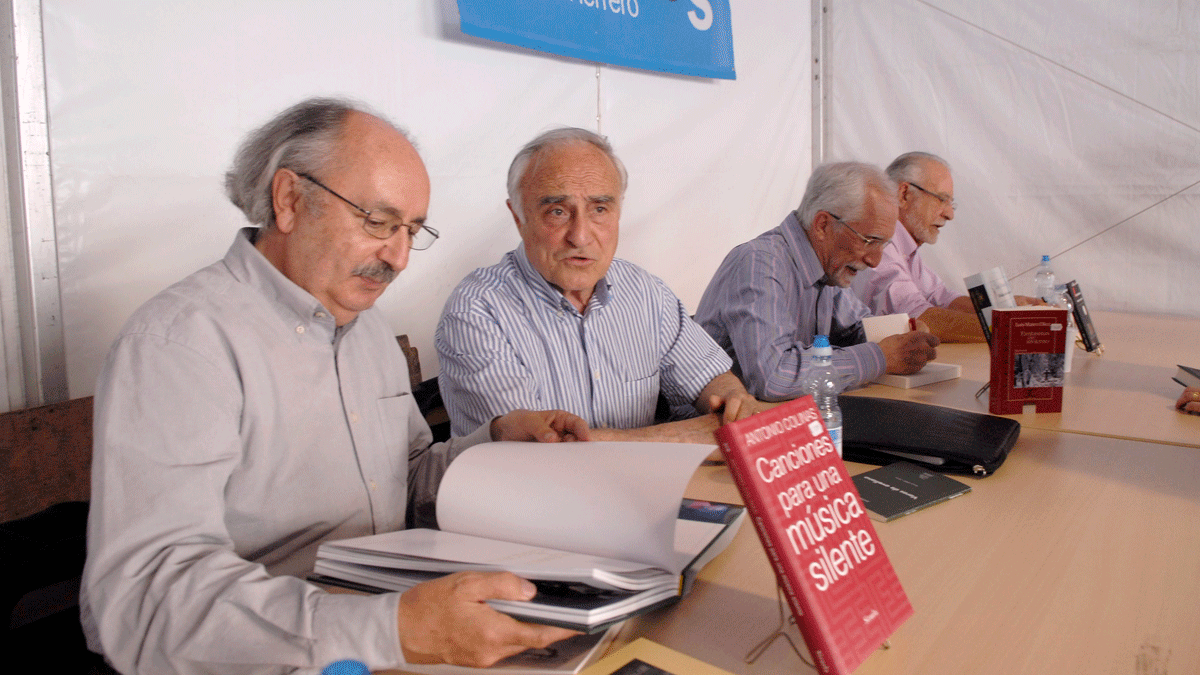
(601, 529)
(989, 290)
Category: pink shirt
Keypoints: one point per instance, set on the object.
(901, 282)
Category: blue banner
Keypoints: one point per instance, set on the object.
(687, 37)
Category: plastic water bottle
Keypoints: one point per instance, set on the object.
(820, 379)
(1043, 282)
(346, 667)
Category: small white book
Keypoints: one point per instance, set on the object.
(934, 371)
(602, 529)
(880, 327)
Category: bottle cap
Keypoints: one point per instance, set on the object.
(346, 667)
(821, 346)
(1045, 258)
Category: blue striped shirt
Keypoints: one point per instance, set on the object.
(508, 339)
(761, 307)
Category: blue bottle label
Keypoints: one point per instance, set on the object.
(836, 435)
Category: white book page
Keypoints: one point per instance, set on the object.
(691, 537)
(880, 327)
(617, 500)
(399, 549)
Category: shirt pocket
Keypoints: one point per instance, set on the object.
(630, 402)
(394, 420)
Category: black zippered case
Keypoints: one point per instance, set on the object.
(882, 431)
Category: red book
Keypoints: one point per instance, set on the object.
(1028, 356)
(829, 562)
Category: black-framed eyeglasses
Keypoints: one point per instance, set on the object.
(946, 201)
(869, 242)
(382, 226)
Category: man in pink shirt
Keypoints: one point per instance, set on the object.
(902, 282)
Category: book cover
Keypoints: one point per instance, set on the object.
(1187, 376)
(565, 657)
(1028, 359)
(988, 290)
(899, 489)
(643, 657)
(1083, 320)
(840, 585)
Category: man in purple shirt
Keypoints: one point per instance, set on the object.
(773, 294)
(901, 282)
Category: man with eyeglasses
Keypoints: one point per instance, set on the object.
(901, 282)
(560, 323)
(772, 295)
(260, 407)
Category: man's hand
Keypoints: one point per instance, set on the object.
(1025, 300)
(447, 621)
(906, 353)
(1189, 401)
(544, 426)
(727, 396)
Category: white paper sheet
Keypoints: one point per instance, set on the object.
(598, 489)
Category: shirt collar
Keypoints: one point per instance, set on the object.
(904, 242)
(249, 266)
(807, 265)
(601, 294)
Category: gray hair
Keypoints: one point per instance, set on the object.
(553, 139)
(302, 138)
(841, 189)
(910, 167)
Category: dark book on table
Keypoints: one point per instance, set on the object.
(1187, 376)
(899, 489)
(1083, 320)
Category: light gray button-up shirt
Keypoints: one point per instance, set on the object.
(236, 428)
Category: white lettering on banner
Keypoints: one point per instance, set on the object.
(627, 7)
(701, 23)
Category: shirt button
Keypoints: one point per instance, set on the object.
(354, 417)
(596, 374)
(372, 483)
(300, 330)
(320, 315)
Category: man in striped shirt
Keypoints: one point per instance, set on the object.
(773, 294)
(560, 323)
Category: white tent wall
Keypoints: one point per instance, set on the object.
(1073, 128)
(148, 101)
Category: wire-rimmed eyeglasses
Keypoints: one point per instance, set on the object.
(382, 226)
(869, 242)
(946, 201)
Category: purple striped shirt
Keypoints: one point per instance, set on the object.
(761, 307)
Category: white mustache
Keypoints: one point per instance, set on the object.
(380, 272)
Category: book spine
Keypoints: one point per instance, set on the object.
(1000, 378)
(803, 608)
(979, 299)
(1087, 329)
